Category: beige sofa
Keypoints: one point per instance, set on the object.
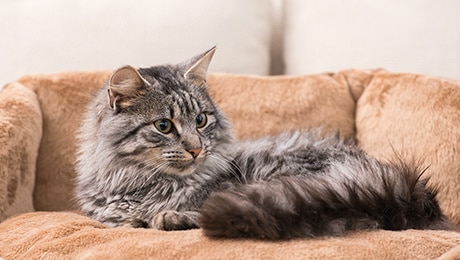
(387, 113)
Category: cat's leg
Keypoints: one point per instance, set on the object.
(134, 223)
(175, 220)
(119, 221)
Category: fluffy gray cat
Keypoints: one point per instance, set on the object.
(156, 152)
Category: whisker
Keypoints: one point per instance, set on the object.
(146, 165)
(224, 163)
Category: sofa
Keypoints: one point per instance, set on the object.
(413, 116)
(280, 65)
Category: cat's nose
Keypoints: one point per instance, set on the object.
(194, 152)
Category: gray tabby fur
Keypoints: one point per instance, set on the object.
(297, 184)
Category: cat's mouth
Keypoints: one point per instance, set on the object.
(183, 167)
(181, 164)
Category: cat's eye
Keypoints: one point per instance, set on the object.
(201, 120)
(164, 125)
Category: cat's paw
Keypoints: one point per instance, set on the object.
(175, 220)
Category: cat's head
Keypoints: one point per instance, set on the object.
(163, 117)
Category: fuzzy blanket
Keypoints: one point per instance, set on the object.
(414, 116)
(67, 235)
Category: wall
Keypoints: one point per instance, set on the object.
(253, 36)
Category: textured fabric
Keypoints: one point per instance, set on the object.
(62, 99)
(67, 235)
(413, 116)
(418, 118)
(20, 134)
(282, 103)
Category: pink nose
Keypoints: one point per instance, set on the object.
(194, 152)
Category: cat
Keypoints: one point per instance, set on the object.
(156, 152)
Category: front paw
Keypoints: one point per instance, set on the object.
(174, 220)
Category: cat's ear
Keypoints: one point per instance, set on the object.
(196, 68)
(125, 85)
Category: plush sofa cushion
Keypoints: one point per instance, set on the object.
(276, 103)
(70, 236)
(418, 118)
(409, 115)
(20, 134)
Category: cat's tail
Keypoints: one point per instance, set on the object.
(318, 205)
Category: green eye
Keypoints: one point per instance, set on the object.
(164, 125)
(201, 120)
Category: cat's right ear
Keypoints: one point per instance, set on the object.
(125, 85)
(197, 67)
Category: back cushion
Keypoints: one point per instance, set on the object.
(256, 106)
(417, 118)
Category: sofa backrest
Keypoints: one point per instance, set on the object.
(257, 106)
(410, 116)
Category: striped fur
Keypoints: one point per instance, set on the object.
(160, 154)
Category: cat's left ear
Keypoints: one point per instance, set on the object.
(125, 85)
(196, 68)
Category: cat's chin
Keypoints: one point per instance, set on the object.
(181, 171)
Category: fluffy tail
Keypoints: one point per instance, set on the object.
(318, 205)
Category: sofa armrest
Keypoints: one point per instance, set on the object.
(20, 135)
